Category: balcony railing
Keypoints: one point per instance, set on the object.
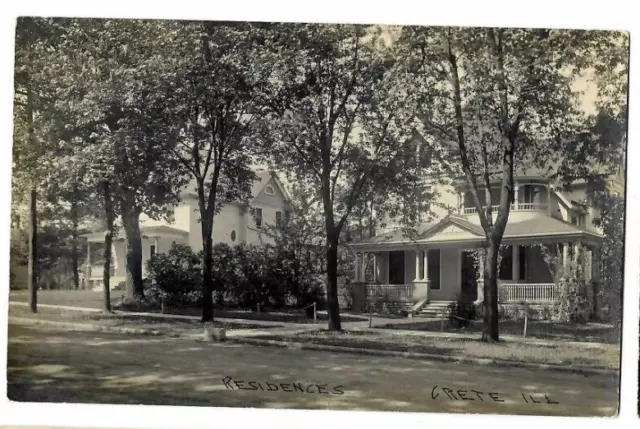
(526, 292)
(531, 207)
(393, 293)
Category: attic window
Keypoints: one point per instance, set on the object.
(269, 190)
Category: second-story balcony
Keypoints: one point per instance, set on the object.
(525, 207)
(528, 197)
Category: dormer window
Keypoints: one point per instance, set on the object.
(269, 190)
(579, 220)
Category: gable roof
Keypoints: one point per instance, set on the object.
(262, 178)
(461, 223)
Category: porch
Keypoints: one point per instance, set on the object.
(403, 294)
(412, 279)
(155, 239)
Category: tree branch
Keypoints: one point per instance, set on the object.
(466, 165)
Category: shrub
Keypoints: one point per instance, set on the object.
(175, 277)
(572, 304)
(461, 313)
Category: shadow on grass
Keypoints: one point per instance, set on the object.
(59, 366)
(544, 330)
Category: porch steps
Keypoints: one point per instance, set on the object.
(434, 309)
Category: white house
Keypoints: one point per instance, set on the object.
(425, 272)
(236, 223)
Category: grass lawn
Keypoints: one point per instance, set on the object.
(94, 299)
(72, 298)
(606, 356)
(543, 330)
(167, 326)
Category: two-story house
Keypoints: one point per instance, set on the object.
(425, 272)
(235, 223)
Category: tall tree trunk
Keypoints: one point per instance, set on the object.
(32, 265)
(131, 225)
(333, 307)
(490, 303)
(108, 240)
(74, 243)
(207, 269)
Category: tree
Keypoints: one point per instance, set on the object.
(498, 99)
(339, 121)
(109, 72)
(34, 37)
(217, 71)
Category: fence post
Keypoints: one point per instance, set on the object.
(526, 317)
(315, 317)
(370, 315)
(442, 321)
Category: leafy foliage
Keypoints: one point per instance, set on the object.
(499, 99)
(175, 277)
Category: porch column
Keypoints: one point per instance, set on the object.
(425, 265)
(363, 267)
(515, 263)
(480, 280)
(375, 267)
(461, 205)
(421, 282)
(515, 195)
(88, 269)
(356, 274)
(565, 257)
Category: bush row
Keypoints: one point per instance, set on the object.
(244, 276)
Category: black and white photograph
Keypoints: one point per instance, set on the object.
(318, 216)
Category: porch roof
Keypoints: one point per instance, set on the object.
(145, 232)
(455, 230)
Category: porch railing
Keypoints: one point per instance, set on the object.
(396, 293)
(530, 207)
(526, 292)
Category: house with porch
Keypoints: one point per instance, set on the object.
(423, 273)
(236, 223)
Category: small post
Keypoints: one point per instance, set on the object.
(162, 304)
(315, 315)
(442, 321)
(370, 315)
(524, 334)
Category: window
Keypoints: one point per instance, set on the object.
(579, 220)
(278, 219)
(269, 190)
(433, 272)
(506, 264)
(233, 235)
(522, 266)
(257, 215)
(152, 250)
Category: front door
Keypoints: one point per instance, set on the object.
(396, 267)
(468, 277)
